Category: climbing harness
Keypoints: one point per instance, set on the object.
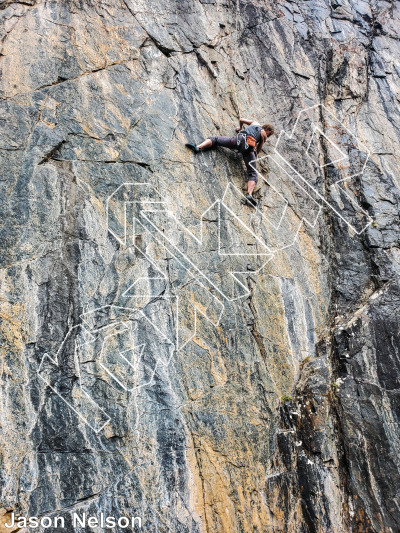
(248, 140)
(241, 137)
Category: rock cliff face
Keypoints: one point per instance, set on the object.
(168, 353)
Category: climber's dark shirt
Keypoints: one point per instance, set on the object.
(254, 131)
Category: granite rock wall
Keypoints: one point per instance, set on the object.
(167, 352)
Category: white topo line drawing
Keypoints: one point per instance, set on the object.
(351, 163)
(137, 206)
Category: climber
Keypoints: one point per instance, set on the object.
(248, 142)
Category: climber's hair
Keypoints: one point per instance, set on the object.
(268, 128)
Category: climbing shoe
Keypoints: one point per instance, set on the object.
(251, 200)
(192, 147)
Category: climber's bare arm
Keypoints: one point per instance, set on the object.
(243, 121)
(261, 143)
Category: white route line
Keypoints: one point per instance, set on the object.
(344, 156)
(80, 415)
(136, 349)
(193, 266)
(90, 339)
(239, 192)
(292, 135)
(215, 323)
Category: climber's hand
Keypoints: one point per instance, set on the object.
(237, 129)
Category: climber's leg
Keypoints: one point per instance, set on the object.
(251, 171)
(225, 142)
(213, 142)
(250, 187)
(205, 144)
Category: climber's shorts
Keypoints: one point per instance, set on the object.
(249, 155)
